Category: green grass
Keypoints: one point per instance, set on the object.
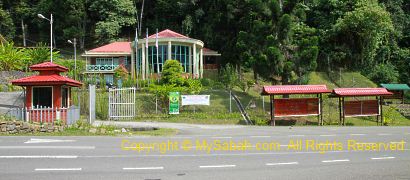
(196, 118)
(347, 80)
(85, 132)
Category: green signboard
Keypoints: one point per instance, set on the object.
(173, 102)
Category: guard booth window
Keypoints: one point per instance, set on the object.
(42, 96)
(64, 96)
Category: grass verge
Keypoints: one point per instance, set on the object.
(86, 132)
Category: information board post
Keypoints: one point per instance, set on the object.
(173, 102)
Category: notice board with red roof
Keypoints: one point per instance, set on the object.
(354, 106)
(294, 107)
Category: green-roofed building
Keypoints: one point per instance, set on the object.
(397, 89)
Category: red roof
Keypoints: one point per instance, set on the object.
(117, 47)
(168, 34)
(295, 89)
(210, 52)
(361, 92)
(48, 66)
(53, 79)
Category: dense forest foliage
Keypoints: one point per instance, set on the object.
(280, 40)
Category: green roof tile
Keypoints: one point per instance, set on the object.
(396, 86)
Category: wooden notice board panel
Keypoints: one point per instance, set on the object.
(396, 95)
(361, 108)
(296, 107)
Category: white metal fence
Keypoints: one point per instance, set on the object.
(121, 103)
(46, 115)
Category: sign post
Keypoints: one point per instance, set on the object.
(173, 102)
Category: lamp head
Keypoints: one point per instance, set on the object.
(69, 41)
(41, 16)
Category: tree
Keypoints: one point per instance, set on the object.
(363, 30)
(39, 54)
(111, 16)
(172, 73)
(70, 64)
(384, 73)
(11, 58)
(7, 27)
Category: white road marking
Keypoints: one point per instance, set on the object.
(220, 154)
(286, 163)
(296, 135)
(47, 147)
(33, 140)
(38, 157)
(221, 137)
(384, 134)
(260, 136)
(143, 168)
(58, 169)
(218, 166)
(358, 134)
(379, 158)
(328, 135)
(337, 160)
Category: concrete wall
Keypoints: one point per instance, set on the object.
(11, 100)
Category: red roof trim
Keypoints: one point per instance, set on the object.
(294, 89)
(53, 79)
(48, 66)
(361, 92)
(168, 34)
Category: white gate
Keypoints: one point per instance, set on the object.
(121, 103)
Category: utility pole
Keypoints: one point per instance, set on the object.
(24, 33)
(74, 42)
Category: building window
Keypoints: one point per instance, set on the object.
(127, 60)
(42, 96)
(181, 53)
(64, 97)
(152, 58)
(103, 61)
(115, 61)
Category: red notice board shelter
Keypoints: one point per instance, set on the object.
(356, 107)
(295, 107)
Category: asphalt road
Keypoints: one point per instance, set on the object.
(248, 153)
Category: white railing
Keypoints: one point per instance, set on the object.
(97, 68)
(46, 114)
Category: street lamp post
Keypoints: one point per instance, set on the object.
(51, 33)
(74, 43)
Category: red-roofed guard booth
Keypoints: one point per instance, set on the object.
(356, 107)
(48, 91)
(295, 107)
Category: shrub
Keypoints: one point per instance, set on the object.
(228, 76)
(193, 86)
(172, 73)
